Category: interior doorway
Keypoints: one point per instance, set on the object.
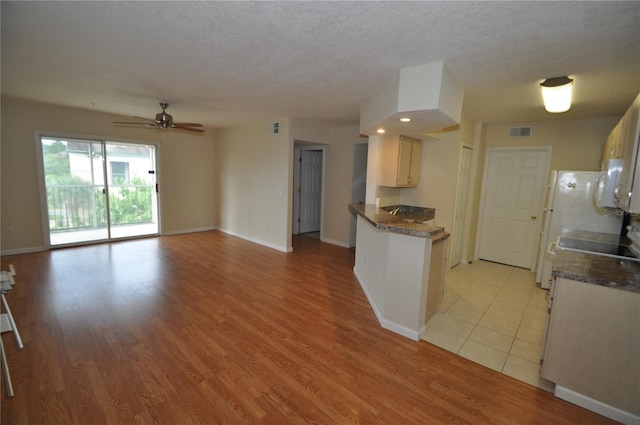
(97, 190)
(307, 193)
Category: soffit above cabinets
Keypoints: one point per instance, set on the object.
(429, 95)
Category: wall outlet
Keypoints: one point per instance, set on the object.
(10, 230)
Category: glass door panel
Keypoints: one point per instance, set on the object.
(99, 190)
(75, 191)
(131, 179)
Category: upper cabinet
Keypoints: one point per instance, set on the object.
(614, 146)
(400, 162)
(627, 132)
(611, 147)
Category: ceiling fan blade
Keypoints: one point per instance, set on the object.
(178, 126)
(188, 124)
(164, 120)
(136, 123)
(146, 119)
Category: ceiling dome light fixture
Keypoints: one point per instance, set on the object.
(556, 94)
(405, 119)
(381, 131)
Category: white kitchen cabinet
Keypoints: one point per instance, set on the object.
(627, 132)
(614, 146)
(400, 162)
(593, 344)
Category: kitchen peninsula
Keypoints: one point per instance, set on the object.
(400, 264)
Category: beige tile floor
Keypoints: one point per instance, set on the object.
(494, 315)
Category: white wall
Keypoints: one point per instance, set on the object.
(186, 172)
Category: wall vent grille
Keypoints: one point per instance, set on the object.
(518, 132)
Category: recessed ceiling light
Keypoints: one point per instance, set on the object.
(405, 119)
(380, 131)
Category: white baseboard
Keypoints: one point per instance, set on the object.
(387, 324)
(258, 241)
(193, 230)
(332, 242)
(22, 250)
(597, 406)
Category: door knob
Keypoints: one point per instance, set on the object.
(533, 217)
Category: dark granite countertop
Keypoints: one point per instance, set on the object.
(383, 220)
(597, 269)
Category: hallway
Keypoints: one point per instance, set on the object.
(494, 315)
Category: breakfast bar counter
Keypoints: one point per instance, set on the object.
(417, 222)
(400, 264)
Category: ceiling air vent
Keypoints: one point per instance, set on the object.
(274, 128)
(517, 132)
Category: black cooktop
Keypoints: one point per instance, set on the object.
(596, 247)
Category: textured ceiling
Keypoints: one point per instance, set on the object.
(225, 63)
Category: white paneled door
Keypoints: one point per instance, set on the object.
(513, 186)
(310, 190)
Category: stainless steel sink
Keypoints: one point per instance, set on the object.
(411, 214)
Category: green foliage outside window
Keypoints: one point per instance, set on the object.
(75, 203)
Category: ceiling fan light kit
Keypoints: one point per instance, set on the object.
(165, 120)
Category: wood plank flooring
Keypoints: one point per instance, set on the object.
(206, 328)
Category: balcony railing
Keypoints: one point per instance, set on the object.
(75, 207)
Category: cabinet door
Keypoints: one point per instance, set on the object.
(400, 162)
(610, 145)
(593, 343)
(416, 160)
(404, 162)
(389, 156)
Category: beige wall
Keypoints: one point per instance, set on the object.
(252, 166)
(185, 173)
(438, 178)
(253, 171)
(576, 143)
(241, 183)
(338, 182)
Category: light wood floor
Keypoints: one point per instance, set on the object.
(207, 328)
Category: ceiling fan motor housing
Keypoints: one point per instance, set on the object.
(164, 120)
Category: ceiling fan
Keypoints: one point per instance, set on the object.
(164, 120)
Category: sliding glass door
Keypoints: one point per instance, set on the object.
(131, 179)
(98, 190)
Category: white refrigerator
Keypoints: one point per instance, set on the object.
(571, 206)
